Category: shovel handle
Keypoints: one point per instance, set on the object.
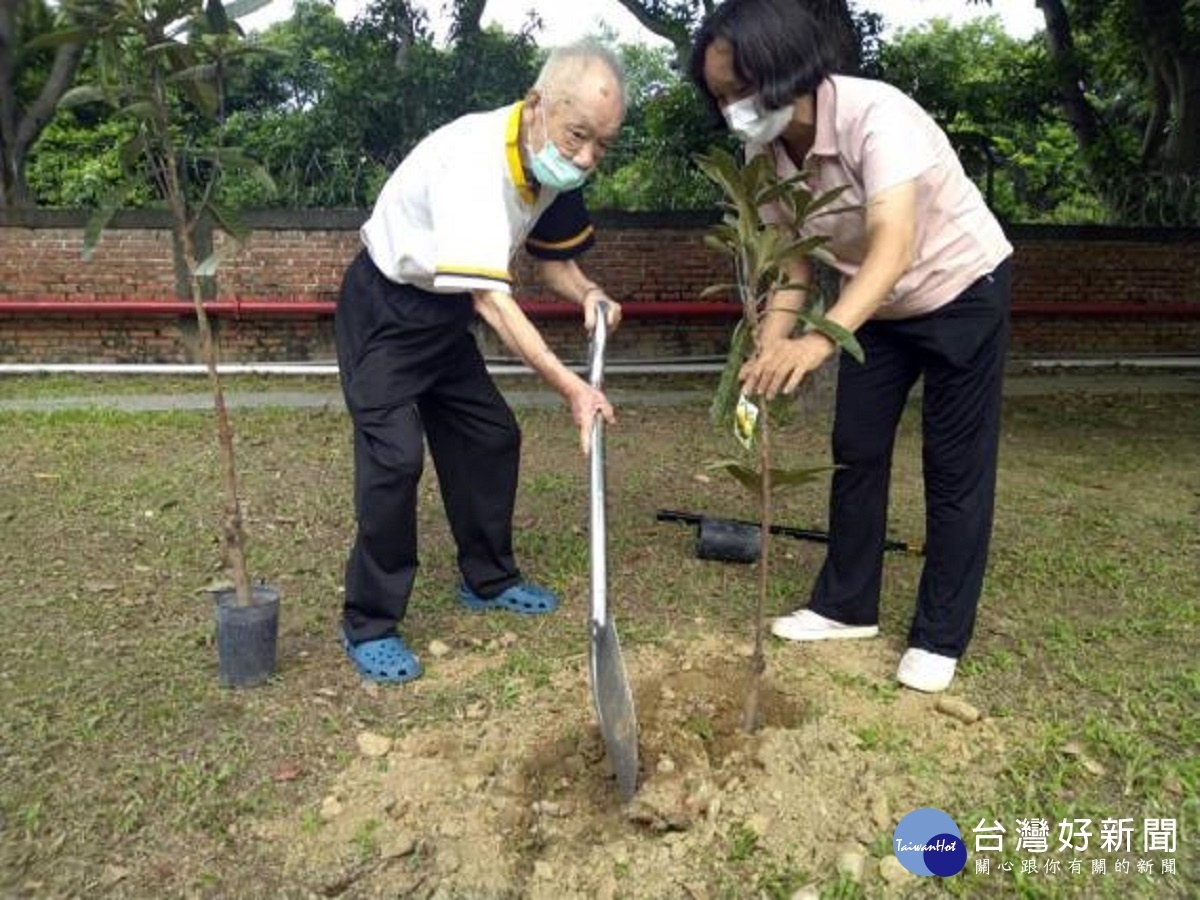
(597, 524)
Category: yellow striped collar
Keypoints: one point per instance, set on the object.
(512, 149)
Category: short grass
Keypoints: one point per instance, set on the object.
(126, 770)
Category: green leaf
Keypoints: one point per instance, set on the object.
(239, 9)
(229, 221)
(751, 479)
(99, 219)
(215, 17)
(795, 477)
(202, 72)
(742, 473)
(729, 386)
(56, 39)
(824, 200)
(141, 109)
(721, 245)
(79, 96)
(133, 151)
(841, 336)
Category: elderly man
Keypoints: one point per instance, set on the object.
(438, 247)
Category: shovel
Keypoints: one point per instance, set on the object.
(606, 667)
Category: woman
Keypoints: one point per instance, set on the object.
(925, 287)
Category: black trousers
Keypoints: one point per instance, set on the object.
(960, 350)
(411, 369)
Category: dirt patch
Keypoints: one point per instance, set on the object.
(521, 801)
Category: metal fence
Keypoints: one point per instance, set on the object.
(349, 178)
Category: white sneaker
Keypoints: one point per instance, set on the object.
(925, 671)
(806, 625)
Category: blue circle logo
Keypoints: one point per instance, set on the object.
(927, 842)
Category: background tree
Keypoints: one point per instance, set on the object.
(33, 78)
(993, 94)
(677, 21)
(1160, 41)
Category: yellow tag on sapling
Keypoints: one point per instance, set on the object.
(745, 418)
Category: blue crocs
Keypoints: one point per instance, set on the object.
(525, 599)
(386, 660)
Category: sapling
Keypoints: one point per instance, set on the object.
(763, 254)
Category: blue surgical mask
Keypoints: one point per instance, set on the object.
(551, 168)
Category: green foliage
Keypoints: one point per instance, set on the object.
(349, 100)
(998, 98)
(161, 68)
(994, 96)
(763, 254)
(666, 127)
(77, 164)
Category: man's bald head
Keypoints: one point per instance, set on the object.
(585, 71)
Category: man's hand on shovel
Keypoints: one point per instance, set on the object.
(586, 404)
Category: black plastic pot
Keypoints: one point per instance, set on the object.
(247, 636)
(727, 541)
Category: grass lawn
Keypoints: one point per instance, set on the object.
(126, 770)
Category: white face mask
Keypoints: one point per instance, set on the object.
(752, 124)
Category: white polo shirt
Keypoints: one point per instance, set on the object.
(869, 137)
(455, 211)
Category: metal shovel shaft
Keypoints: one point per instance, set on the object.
(606, 667)
(598, 525)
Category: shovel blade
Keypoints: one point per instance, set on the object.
(614, 706)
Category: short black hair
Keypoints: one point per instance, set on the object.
(779, 46)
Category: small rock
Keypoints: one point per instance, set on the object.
(665, 766)
(550, 808)
(114, 874)
(397, 844)
(439, 649)
(808, 892)
(881, 813)
(476, 711)
(852, 864)
(607, 887)
(1073, 748)
(666, 693)
(331, 808)
(373, 746)
(759, 824)
(893, 872)
(508, 639)
(958, 709)
(370, 688)
(1092, 766)
(543, 870)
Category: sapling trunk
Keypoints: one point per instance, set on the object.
(232, 534)
(752, 712)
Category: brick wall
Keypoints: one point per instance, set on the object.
(1077, 291)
